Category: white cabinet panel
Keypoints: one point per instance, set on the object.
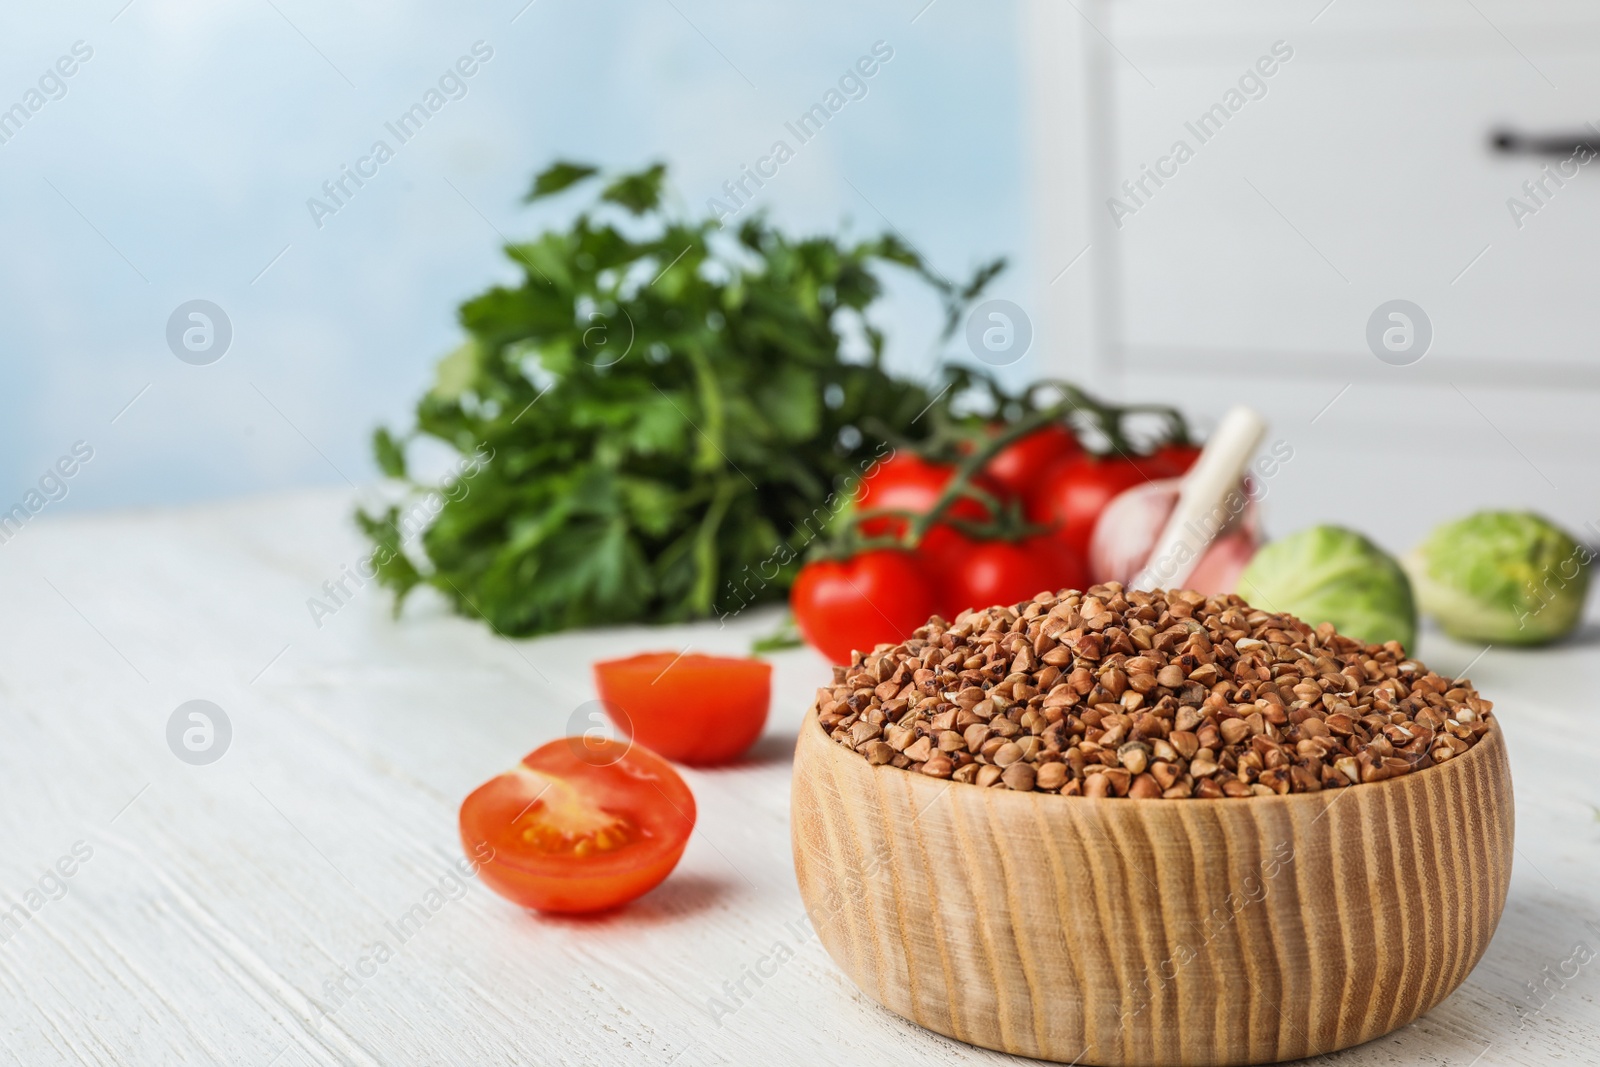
(1361, 174)
(1347, 184)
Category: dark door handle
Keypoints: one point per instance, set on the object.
(1511, 142)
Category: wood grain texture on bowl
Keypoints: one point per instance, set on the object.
(1129, 932)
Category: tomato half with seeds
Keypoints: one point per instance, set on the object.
(582, 824)
(692, 708)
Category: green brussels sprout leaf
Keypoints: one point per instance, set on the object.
(1505, 577)
(1331, 574)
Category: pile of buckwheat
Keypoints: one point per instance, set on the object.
(1114, 693)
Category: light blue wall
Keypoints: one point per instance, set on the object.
(179, 162)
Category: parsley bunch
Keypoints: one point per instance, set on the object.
(665, 405)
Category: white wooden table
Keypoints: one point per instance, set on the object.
(221, 906)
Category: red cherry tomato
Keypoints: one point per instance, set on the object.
(1174, 459)
(581, 824)
(842, 606)
(691, 708)
(942, 548)
(1018, 467)
(939, 557)
(1064, 568)
(1005, 572)
(1073, 493)
(908, 482)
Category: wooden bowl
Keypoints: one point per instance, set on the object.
(1125, 932)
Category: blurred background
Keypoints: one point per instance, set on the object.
(177, 160)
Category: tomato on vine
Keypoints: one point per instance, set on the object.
(1006, 572)
(1010, 519)
(1017, 467)
(842, 606)
(907, 482)
(1174, 459)
(1073, 493)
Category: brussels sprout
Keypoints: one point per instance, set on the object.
(1331, 574)
(1507, 577)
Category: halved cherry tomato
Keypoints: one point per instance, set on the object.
(1018, 467)
(692, 708)
(1005, 572)
(581, 824)
(1073, 493)
(845, 605)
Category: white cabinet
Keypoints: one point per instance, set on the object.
(1360, 171)
(1360, 174)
